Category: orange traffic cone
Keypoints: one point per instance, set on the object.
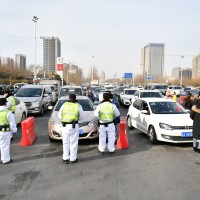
(122, 142)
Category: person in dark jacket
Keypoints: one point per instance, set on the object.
(195, 116)
(188, 101)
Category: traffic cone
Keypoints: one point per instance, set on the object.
(122, 142)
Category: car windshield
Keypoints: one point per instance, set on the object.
(129, 92)
(29, 92)
(96, 90)
(67, 91)
(167, 108)
(85, 103)
(150, 94)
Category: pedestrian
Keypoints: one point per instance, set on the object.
(69, 113)
(174, 96)
(7, 125)
(188, 101)
(195, 115)
(117, 119)
(106, 112)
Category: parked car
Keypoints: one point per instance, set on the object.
(88, 126)
(147, 94)
(67, 89)
(37, 98)
(161, 119)
(126, 96)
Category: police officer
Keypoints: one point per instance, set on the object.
(106, 112)
(7, 125)
(11, 104)
(70, 113)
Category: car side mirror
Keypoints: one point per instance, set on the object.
(50, 107)
(144, 111)
(45, 95)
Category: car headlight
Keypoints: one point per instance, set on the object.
(56, 123)
(92, 123)
(35, 103)
(166, 126)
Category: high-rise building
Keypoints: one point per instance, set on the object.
(20, 61)
(152, 60)
(51, 51)
(196, 66)
(7, 61)
(175, 72)
(186, 73)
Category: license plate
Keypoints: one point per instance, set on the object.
(80, 131)
(186, 134)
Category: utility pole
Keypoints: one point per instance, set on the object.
(181, 82)
(35, 19)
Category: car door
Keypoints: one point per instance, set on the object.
(135, 114)
(18, 111)
(144, 118)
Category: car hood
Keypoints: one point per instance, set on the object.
(174, 119)
(28, 99)
(87, 116)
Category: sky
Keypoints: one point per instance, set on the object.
(113, 31)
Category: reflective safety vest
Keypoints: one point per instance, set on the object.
(70, 112)
(106, 112)
(3, 120)
(13, 103)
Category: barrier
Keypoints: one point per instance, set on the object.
(122, 142)
(28, 132)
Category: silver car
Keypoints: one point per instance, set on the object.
(88, 126)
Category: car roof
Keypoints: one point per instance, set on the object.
(33, 86)
(156, 99)
(148, 91)
(71, 86)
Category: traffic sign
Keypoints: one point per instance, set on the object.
(128, 75)
(149, 77)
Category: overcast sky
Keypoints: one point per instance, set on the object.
(114, 31)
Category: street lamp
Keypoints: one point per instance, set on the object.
(35, 19)
(182, 57)
(92, 68)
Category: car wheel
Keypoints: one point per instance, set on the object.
(42, 111)
(152, 135)
(23, 116)
(129, 123)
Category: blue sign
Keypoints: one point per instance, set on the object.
(128, 75)
(149, 77)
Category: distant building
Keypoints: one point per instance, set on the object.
(152, 60)
(175, 72)
(51, 51)
(20, 61)
(7, 61)
(102, 77)
(196, 67)
(186, 73)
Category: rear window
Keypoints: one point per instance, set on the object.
(129, 91)
(150, 94)
(67, 91)
(85, 103)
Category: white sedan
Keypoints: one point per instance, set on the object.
(161, 119)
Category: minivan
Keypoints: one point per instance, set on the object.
(36, 97)
(67, 89)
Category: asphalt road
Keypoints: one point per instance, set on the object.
(143, 171)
